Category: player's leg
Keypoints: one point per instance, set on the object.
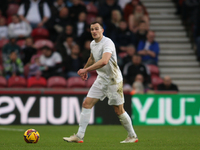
(127, 123)
(87, 105)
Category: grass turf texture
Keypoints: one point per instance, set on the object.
(103, 137)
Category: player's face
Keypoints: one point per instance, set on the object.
(96, 31)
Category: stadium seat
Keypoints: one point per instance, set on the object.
(17, 82)
(76, 82)
(43, 42)
(1, 68)
(93, 73)
(1, 59)
(56, 82)
(33, 58)
(91, 12)
(26, 70)
(153, 69)
(155, 80)
(38, 82)
(3, 82)
(3, 42)
(9, 20)
(122, 54)
(90, 81)
(40, 33)
(12, 9)
(21, 43)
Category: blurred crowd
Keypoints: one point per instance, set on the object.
(40, 38)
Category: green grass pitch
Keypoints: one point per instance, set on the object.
(103, 138)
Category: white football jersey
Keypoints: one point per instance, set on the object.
(110, 73)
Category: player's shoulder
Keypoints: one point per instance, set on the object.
(92, 42)
(108, 41)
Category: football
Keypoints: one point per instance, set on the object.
(31, 136)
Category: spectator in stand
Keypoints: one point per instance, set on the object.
(86, 35)
(128, 58)
(51, 63)
(3, 29)
(132, 69)
(34, 12)
(140, 78)
(18, 29)
(113, 24)
(65, 48)
(149, 49)
(167, 85)
(141, 34)
(86, 51)
(80, 25)
(122, 3)
(59, 4)
(28, 51)
(13, 66)
(123, 37)
(69, 31)
(3, 8)
(107, 7)
(58, 22)
(10, 47)
(35, 67)
(76, 9)
(137, 88)
(130, 8)
(74, 62)
(135, 18)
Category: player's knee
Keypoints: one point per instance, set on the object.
(118, 111)
(86, 104)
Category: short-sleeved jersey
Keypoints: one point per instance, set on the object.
(110, 73)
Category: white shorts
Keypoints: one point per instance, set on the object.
(113, 92)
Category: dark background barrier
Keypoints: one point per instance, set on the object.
(54, 109)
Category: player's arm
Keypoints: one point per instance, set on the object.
(99, 64)
(90, 61)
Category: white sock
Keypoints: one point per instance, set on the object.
(126, 122)
(84, 120)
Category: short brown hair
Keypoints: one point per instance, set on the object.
(97, 22)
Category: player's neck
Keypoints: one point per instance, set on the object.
(99, 39)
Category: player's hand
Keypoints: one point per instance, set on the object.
(84, 77)
(83, 74)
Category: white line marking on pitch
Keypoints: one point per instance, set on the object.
(11, 129)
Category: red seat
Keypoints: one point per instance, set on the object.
(1, 68)
(3, 42)
(93, 73)
(153, 69)
(3, 82)
(155, 80)
(1, 58)
(21, 43)
(40, 33)
(76, 82)
(56, 82)
(39, 82)
(12, 9)
(17, 82)
(122, 54)
(90, 81)
(9, 20)
(26, 70)
(43, 42)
